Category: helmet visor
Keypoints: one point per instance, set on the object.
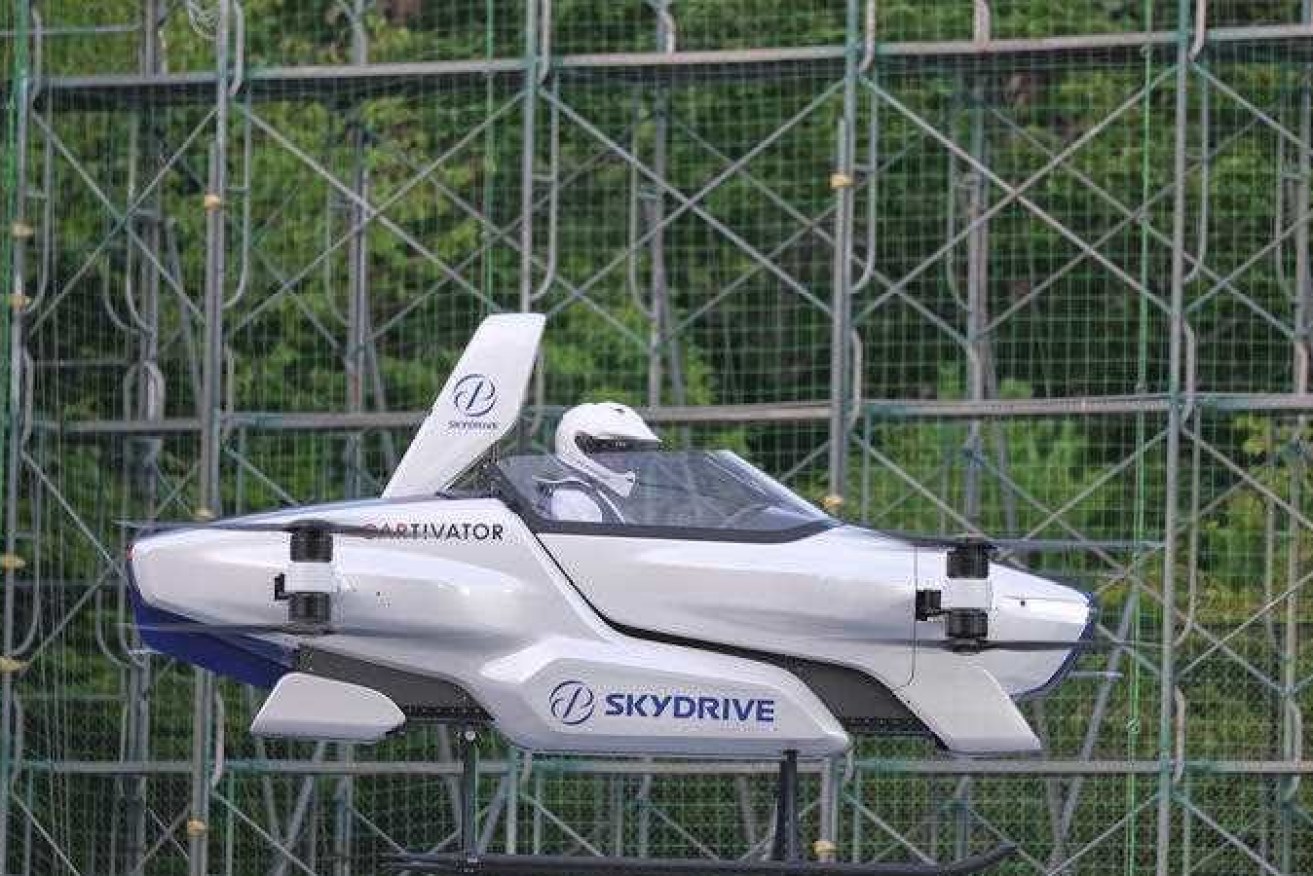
(592, 445)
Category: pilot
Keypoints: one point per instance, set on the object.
(586, 434)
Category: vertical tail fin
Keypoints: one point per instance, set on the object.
(478, 405)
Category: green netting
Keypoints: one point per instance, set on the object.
(1010, 259)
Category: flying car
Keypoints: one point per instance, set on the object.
(719, 614)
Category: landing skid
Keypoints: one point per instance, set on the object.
(786, 852)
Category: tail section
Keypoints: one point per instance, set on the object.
(477, 407)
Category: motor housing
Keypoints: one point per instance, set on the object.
(966, 600)
(309, 584)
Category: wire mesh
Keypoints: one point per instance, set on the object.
(1004, 221)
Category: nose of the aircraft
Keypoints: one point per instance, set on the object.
(1028, 607)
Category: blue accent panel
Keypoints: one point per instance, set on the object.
(237, 656)
(1073, 655)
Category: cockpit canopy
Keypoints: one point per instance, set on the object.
(678, 494)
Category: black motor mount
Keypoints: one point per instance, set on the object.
(968, 560)
(309, 584)
(311, 542)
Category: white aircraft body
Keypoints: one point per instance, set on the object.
(723, 616)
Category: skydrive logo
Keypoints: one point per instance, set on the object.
(474, 397)
(574, 702)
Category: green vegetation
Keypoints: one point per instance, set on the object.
(747, 325)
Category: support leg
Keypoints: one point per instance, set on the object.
(787, 845)
(786, 855)
(469, 794)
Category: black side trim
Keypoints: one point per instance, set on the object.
(858, 701)
(420, 697)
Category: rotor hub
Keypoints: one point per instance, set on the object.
(309, 583)
(311, 543)
(970, 559)
(966, 601)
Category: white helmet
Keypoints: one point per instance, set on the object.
(602, 427)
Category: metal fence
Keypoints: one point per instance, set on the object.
(1037, 269)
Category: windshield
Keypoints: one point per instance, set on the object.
(682, 494)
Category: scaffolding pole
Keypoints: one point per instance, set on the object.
(1185, 821)
(1176, 380)
(11, 329)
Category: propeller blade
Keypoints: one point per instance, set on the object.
(1020, 644)
(289, 629)
(917, 540)
(348, 529)
(200, 627)
(1057, 545)
(152, 526)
